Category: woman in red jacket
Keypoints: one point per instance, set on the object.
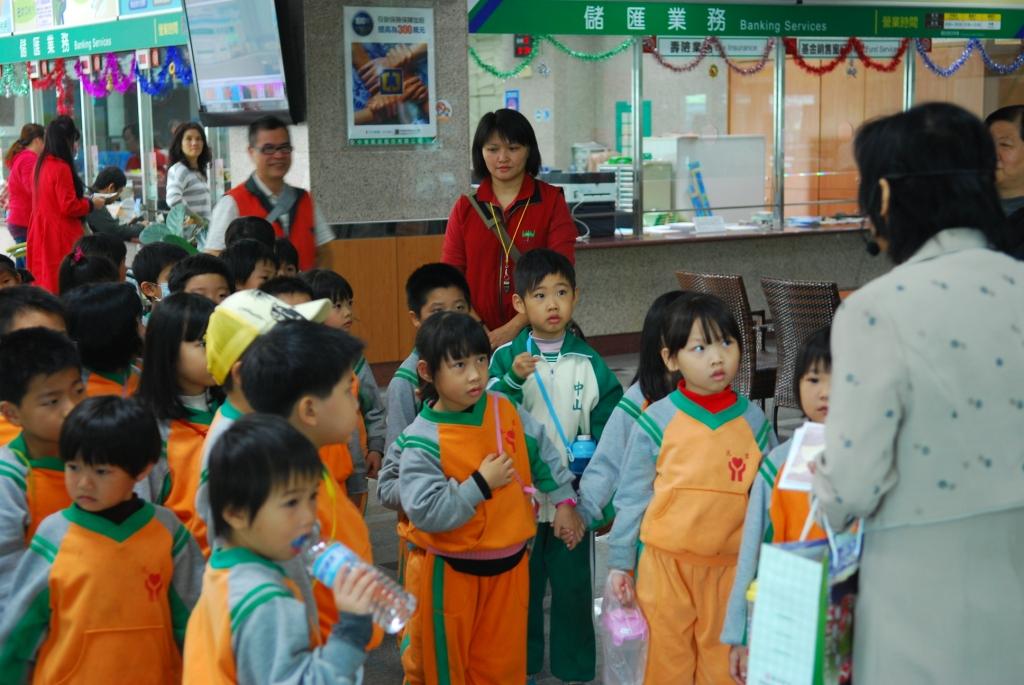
(20, 161)
(57, 203)
(534, 214)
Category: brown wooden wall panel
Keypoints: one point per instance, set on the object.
(412, 253)
(966, 88)
(369, 265)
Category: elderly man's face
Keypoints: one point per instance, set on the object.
(1010, 153)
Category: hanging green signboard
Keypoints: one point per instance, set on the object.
(624, 17)
(153, 31)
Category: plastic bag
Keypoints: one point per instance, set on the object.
(624, 639)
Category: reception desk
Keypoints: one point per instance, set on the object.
(617, 277)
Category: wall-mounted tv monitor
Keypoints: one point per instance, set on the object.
(247, 59)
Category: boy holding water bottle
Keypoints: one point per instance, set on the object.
(250, 624)
(564, 384)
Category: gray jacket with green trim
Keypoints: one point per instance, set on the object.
(270, 632)
(640, 469)
(757, 528)
(26, 619)
(435, 503)
(601, 479)
(403, 403)
(372, 411)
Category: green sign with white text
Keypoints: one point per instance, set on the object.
(624, 17)
(154, 31)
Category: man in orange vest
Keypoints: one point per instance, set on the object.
(265, 194)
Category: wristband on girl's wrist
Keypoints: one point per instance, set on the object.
(570, 501)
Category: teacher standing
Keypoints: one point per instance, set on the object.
(514, 213)
(58, 205)
(923, 431)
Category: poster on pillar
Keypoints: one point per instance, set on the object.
(389, 75)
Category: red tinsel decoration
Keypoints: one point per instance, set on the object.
(57, 79)
(852, 45)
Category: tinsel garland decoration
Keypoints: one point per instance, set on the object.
(174, 67)
(57, 79)
(972, 45)
(111, 79)
(576, 54)
(10, 85)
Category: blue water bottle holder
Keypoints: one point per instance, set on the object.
(582, 448)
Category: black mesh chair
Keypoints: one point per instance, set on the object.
(756, 377)
(798, 309)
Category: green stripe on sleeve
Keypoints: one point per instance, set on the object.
(651, 428)
(179, 615)
(44, 548)
(763, 436)
(630, 407)
(766, 473)
(181, 537)
(444, 677)
(424, 444)
(407, 375)
(259, 595)
(8, 471)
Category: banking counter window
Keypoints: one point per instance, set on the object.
(709, 119)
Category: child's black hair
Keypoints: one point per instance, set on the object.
(816, 352)
(26, 276)
(286, 253)
(716, 321)
(252, 228)
(103, 318)
(287, 285)
(151, 259)
(26, 298)
(295, 359)
(257, 454)
(181, 317)
(29, 353)
(103, 245)
(448, 336)
(197, 265)
(112, 431)
(655, 380)
(243, 256)
(328, 284)
(7, 265)
(534, 266)
(430, 277)
(78, 269)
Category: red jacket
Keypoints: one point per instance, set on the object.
(473, 249)
(19, 188)
(56, 224)
(301, 229)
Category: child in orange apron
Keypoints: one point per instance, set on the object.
(104, 320)
(178, 388)
(773, 514)
(469, 465)
(683, 496)
(250, 624)
(366, 445)
(40, 383)
(104, 592)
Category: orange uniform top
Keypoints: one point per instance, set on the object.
(104, 602)
(788, 512)
(123, 384)
(184, 450)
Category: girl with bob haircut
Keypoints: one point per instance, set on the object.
(103, 318)
(183, 396)
(922, 439)
(58, 205)
(531, 214)
(687, 472)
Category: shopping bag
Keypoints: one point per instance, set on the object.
(802, 628)
(624, 639)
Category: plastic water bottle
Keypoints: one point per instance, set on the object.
(582, 449)
(391, 606)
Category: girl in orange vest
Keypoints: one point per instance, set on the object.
(104, 319)
(773, 514)
(469, 465)
(180, 391)
(688, 468)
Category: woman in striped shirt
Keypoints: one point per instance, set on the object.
(186, 178)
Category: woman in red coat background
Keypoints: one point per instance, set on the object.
(506, 160)
(57, 203)
(20, 161)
